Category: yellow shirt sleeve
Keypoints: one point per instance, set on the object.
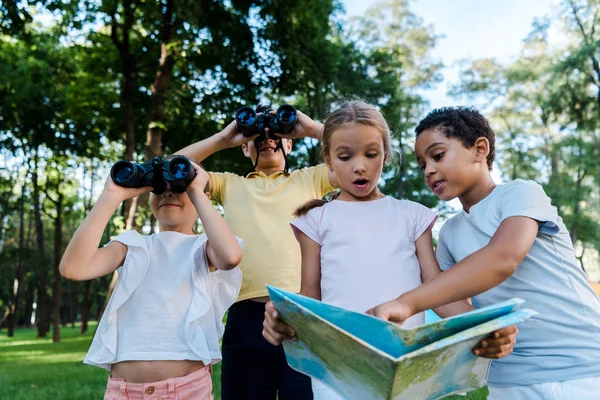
(321, 180)
(218, 184)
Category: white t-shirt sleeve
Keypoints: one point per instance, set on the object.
(309, 224)
(528, 199)
(422, 218)
(442, 253)
(137, 248)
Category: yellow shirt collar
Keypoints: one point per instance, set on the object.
(261, 174)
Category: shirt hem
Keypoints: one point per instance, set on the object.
(542, 377)
(265, 293)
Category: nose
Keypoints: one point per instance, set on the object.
(167, 193)
(429, 170)
(359, 165)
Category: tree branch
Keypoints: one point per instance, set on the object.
(114, 26)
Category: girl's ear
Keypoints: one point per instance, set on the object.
(482, 149)
(328, 162)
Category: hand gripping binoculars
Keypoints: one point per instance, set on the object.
(159, 173)
(282, 122)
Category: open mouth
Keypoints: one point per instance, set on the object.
(168, 205)
(437, 186)
(361, 183)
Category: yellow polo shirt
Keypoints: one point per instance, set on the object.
(259, 209)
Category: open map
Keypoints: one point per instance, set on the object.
(362, 357)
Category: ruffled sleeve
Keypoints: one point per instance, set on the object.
(213, 294)
(103, 350)
(225, 288)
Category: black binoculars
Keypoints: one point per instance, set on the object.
(280, 123)
(177, 173)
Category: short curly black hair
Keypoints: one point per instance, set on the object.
(464, 123)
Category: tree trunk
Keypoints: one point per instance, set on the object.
(20, 273)
(87, 286)
(122, 43)
(85, 307)
(43, 300)
(29, 302)
(57, 277)
(120, 37)
(160, 85)
(72, 289)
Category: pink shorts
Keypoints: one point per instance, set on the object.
(197, 385)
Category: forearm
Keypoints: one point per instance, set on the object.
(203, 149)
(227, 251)
(452, 309)
(316, 131)
(80, 252)
(481, 271)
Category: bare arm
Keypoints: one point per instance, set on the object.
(229, 137)
(482, 270)
(430, 269)
(222, 249)
(498, 345)
(311, 267)
(275, 330)
(83, 260)
(307, 127)
(477, 273)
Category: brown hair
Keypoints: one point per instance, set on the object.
(356, 112)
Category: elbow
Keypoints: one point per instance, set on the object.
(232, 260)
(64, 270)
(67, 272)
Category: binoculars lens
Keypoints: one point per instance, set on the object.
(123, 172)
(246, 116)
(179, 169)
(286, 114)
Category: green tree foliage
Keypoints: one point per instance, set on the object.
(545, 107)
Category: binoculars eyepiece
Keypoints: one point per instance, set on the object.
(159, 173)
(282, 122)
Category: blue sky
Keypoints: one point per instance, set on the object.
(472, 29)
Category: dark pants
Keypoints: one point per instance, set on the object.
(253, 369)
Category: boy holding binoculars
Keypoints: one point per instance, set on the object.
(259, 208)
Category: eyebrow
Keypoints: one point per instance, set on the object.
(433, 145)
(346, 147)
(429, 148)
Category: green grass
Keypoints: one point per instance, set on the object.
(37, 369)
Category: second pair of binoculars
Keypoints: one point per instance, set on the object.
(174, 173)
(250, 122)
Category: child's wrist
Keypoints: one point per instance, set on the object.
(316, 131)
(111, 198)
(222, 142)
(406, 301)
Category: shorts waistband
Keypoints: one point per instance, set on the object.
(165, 387)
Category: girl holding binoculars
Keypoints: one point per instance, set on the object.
(160, 332)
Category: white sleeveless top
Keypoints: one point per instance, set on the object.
(166, 304)
(367, 250)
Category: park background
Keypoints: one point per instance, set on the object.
(86, 83)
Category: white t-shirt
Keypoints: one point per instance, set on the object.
(562, 342)
(367, 250)
(166, 304)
